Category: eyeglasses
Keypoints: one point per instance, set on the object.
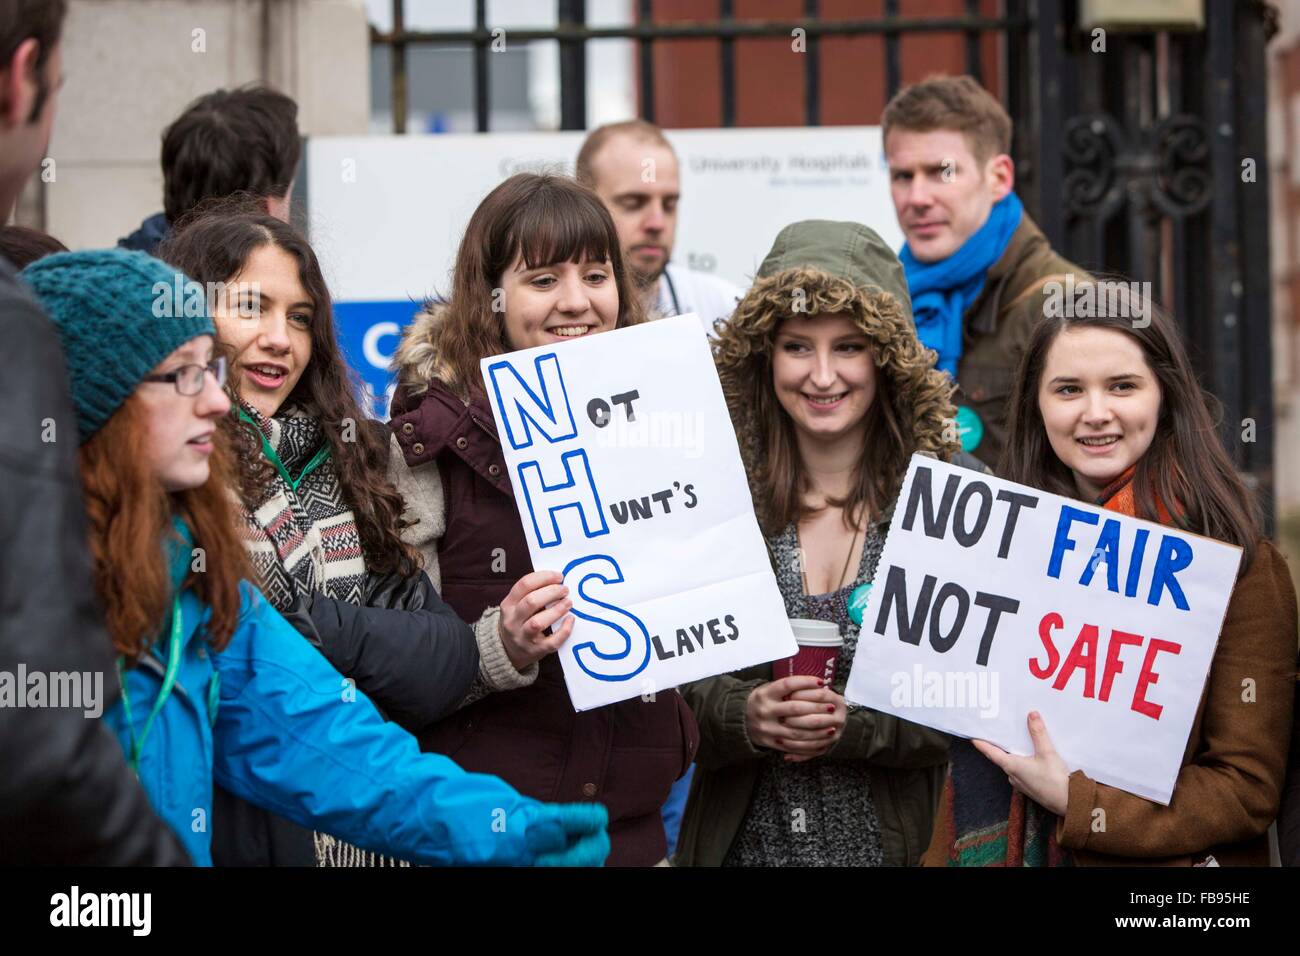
(189, 380)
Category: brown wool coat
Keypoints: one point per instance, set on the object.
(997, 327)
(1228, 790)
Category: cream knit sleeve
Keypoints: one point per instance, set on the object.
(421, 490)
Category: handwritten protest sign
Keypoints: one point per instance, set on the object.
(992, 599)
(628, 480)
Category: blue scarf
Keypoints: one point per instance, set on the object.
(942, 291)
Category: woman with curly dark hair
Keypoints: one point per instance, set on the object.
(831, 394)
(322, 521)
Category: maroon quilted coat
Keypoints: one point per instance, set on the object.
(626, 755)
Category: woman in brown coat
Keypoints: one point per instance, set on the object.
(1108, 410)
(539, 265)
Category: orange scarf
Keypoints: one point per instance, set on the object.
(1119, 496)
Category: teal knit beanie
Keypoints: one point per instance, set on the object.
(119, 314)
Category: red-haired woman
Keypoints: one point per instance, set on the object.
(216, 686)
(539, 265)
(322, 519)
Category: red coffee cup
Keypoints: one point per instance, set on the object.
(819, 650)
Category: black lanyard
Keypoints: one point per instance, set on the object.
(672, 291)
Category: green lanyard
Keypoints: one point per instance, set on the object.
(169, 681)
(320, 456)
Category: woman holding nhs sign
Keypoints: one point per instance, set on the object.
(539, 265)
(1107, 409)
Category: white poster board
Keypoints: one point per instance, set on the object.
(629, 482)
(992, 599)
(386, 213)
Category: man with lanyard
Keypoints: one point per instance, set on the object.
(633, 168)
(977, 266)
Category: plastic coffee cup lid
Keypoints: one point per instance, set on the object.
(816, 633)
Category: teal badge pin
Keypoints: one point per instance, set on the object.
(858, 602)
(969, 428)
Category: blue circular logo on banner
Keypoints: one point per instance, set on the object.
(969, 428)
(858, 602)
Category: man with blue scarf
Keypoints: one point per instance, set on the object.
(976, 264)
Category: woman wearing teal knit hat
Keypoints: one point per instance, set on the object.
(322, 521)
(216, 686)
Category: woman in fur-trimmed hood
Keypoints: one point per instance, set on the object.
(831, 393)
(824, 268)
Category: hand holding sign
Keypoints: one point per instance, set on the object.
(628, 480)
(1044, 777)
(993, 600)
(537, 601)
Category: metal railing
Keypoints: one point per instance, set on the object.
(572, 34)
(1128, 161)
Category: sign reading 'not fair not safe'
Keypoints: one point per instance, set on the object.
(628, 480)
(992, 599)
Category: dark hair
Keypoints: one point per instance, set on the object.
(23, 246)
(545, 219)
(909, 414)
(41, 20)
(230, 141)
(1186, 468)
(213, 245)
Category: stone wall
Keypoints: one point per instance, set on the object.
(131, 66)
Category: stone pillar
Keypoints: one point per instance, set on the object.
(131, 67)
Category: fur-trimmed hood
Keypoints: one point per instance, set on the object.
(418, 359)
(820, 267)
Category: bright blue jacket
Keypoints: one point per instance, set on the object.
(270, 720)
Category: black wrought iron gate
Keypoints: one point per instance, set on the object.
(1147, 159)
(1151, 161)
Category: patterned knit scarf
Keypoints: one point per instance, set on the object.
(303, 540)
(982, 820)
(303, 537)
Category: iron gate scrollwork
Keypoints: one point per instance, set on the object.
(1128, 158)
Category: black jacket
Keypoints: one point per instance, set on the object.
(405, 649)
(67, 795)
(149, 236)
